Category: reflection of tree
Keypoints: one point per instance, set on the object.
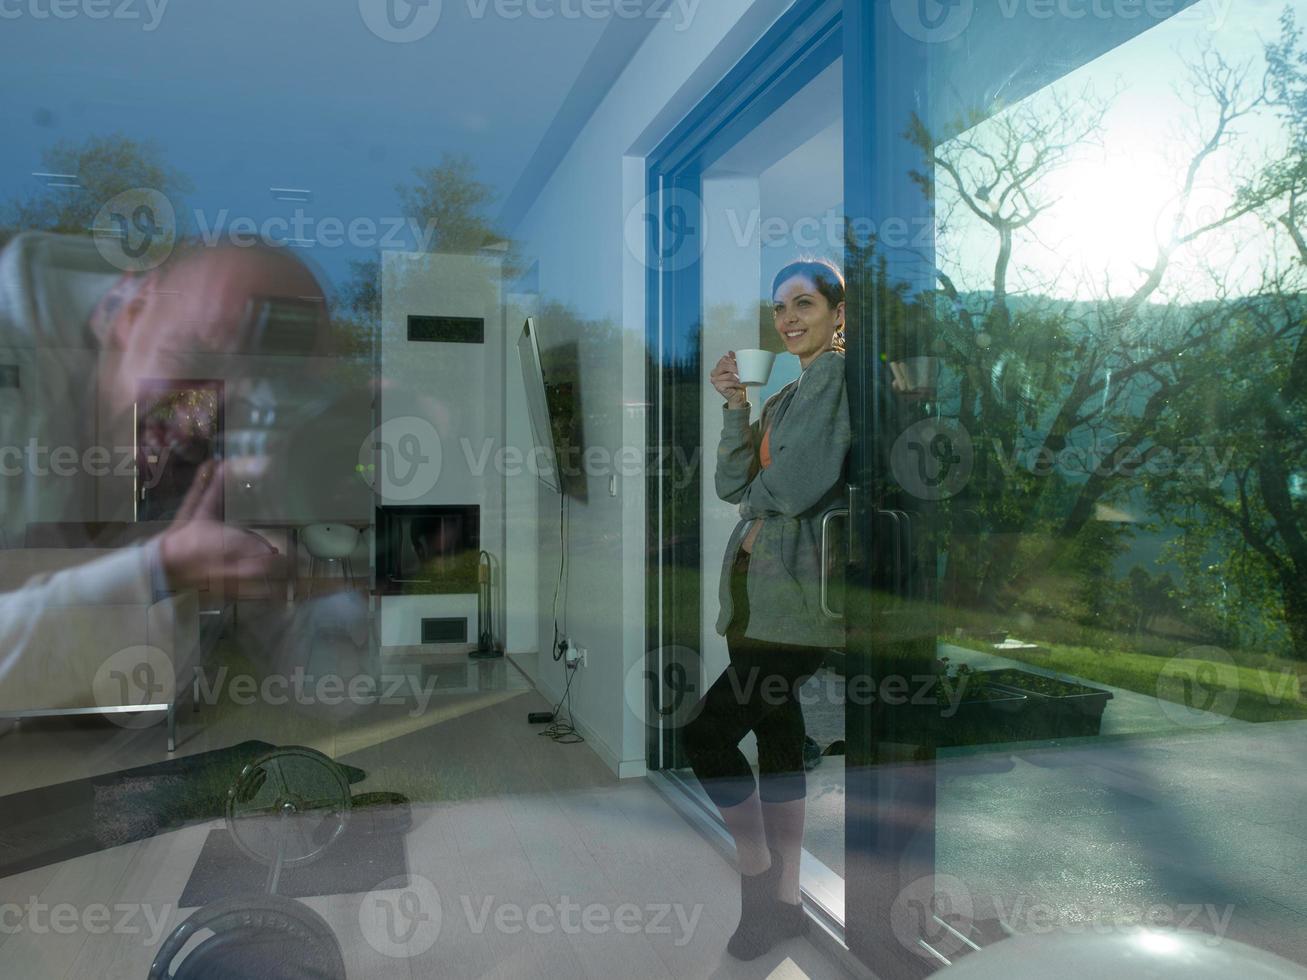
(447, 199)
(1093, 392)
(104, 166)
(1249, 531)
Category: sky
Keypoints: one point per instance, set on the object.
(248, 95)
(1110, 201)
(245, 95)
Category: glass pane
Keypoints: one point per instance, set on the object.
(269, 484)
(775, 196)
(1120, 487)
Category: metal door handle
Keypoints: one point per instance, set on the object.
(826, 520)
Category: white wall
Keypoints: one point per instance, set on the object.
(518, 603)
(575, 230)
(459, 389)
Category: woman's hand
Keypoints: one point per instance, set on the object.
(199, 546)
(726, 379)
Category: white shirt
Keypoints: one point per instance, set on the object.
(49, 286)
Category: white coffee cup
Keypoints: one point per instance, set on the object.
(754, 365)
(916, 373)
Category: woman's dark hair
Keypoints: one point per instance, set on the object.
(826, 276)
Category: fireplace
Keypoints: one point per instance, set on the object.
(428, 550)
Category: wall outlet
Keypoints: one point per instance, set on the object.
(572, 656)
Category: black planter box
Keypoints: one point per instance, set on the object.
(1054, 708)
(996, 716)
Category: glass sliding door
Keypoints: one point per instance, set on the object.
(752, 183)
(1077, 608)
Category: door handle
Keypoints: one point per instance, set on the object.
(827, 519)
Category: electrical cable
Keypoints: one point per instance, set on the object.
(562, 564)
(563, 732)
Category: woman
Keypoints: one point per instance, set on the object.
(784, 471)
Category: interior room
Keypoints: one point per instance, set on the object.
(749, 488)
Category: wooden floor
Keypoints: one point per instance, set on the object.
(506, 824)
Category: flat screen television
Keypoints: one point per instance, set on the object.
(543, 425)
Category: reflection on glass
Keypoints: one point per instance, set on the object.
(1119, 320)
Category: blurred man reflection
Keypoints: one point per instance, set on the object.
(78, 347)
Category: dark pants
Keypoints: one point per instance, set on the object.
(757, 692)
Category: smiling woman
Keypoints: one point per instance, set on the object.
(808, 306)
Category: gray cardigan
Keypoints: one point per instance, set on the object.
(810, 440)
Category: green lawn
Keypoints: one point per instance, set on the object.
(1267, 691)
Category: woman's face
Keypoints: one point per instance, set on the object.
(804, 319)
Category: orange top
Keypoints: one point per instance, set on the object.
(764, 457)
